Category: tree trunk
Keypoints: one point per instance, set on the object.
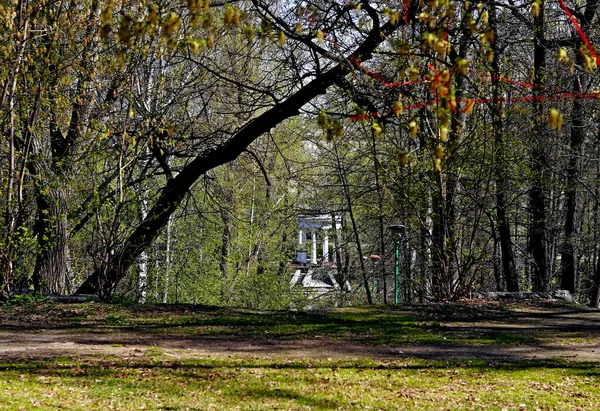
(508, 261)
(339, 246)
(346, 187)
(226, 241)
(439, 253)
(48, 167)
(165, 297)
(51, 273)
(595, 294)
(142, 271)
(446, 262)
(580, 85)
(537, 200)
(568, 257)
(380, 218)
(595, 289)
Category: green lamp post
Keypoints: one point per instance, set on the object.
(397, 233)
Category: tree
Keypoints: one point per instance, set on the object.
(286, 104)
(45, 125)
(581, 82)
(114, 113)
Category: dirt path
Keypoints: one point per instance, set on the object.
(52, 343)
(565, 333)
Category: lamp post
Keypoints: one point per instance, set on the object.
(397, 233)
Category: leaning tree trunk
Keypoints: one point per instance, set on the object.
(177, 188)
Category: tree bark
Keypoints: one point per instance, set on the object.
(446, 253)
(51, 274)
(48, 166)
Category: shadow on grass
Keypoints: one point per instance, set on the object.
(260, 384)
(423, 324)
(97, 368)
(375, 329)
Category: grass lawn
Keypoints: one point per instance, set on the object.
(158, 378)
(255, 383)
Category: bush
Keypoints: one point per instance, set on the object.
(23, 300)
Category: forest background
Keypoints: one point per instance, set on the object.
(163, 151)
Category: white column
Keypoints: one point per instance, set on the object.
(300, 238)
(336, 236)
(334, 258)
(325, 246)
(313, 254)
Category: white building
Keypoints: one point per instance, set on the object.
(317, 229)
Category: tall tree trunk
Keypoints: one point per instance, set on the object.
(568, 257)
(50, 161)
(52, 265)
(506, 248)
(165, 296)
(595, 289)
(595, 292)
(142, 271)
(537, 200)
(10, 218)
(443, 199)
(225, 243)
(380, 217)
(580, 85)
(340, 251)
(358, 242)
(439, 252)
(48, 168)
(426, 248)
(150, 102)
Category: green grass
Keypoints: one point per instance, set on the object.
(443, 324)
(364, 325)
(258, 383)
(471, 324)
